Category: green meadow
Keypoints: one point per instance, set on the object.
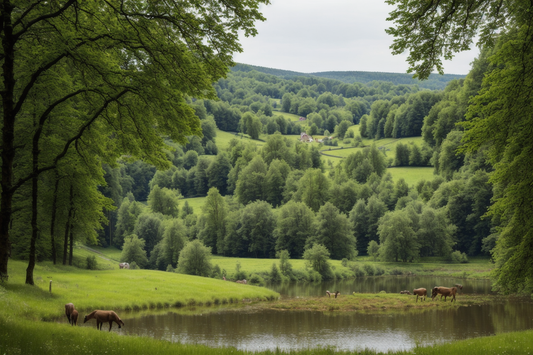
(411, 174)
(197, 204)
(27, 311)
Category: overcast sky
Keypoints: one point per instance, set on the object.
(335, 35)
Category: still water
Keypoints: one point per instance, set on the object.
(249, 329)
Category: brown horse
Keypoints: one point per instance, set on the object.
(69, 308)
(102, 317)
(420, 292)
(444, 291)
(74, 318)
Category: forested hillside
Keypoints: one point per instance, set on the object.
(267, 191)
(434, 81)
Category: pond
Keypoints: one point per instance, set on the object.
(256, 330)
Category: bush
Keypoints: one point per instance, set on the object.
(369, 269)
(170, 268)
(458, 257)
(134, 266)
(256, 280)
(239, 274)
(379, 271)
(314, 276)
(344, 262)
(396, 272)
(216, 273)
(91, 263)
(357, 271)
(275, 275)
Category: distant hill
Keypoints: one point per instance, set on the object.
(434, 82)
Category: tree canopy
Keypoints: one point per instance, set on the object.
(499, 118)
(117, 77)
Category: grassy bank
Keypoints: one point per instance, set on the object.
(120, 290)
(476, 268)
(373, 303)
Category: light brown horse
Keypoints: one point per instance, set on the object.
(69, 308)
(102, 317)
(444, 291)
(420, 292)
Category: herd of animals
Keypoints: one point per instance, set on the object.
(422, 292)
(110, 316)
(437, 290)
(100, 316)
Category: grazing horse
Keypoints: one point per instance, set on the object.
(420, 292)
(459, 286)
(74, 318)
(102, 317)
(241, 281)
(69, 308)
(124, 265)
(444, 291)
(331, 293)
(405, 292)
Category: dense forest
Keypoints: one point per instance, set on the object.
(262, 199)
(434, 81)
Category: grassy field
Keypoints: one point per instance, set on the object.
(288, 116)
(223, 138)
(25, 307)
(197, 204)
(411, 174)
(114, 289)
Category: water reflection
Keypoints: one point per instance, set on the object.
(389, 284)
(257, 330)
(289, 330)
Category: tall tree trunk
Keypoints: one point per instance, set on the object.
(34, 212)
(67, 227)
(53, 221)
(8, 134)
(71, 252)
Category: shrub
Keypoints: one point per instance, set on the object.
(256, 280)
(239, 274)
(170, 268)
(314, 276)
(344, 262)
(92, 264)
(216, 273)
(369, 269)
(134, 266)
(396, 271)
(357, 271)
(458, 257)
(379, 271)
(275, 275)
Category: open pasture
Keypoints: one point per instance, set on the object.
(197, 204)
(411, 174)
(114, 289)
